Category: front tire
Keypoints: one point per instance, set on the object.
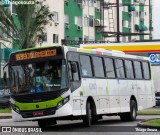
(46, 122)
(87, 117)
(42, 123)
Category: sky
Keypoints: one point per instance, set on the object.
(156, 19)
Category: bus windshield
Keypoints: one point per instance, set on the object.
(38, 77)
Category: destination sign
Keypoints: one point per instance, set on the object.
(35, 54)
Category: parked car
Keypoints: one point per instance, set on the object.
(4, 98)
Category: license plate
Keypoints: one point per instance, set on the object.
(37, 113)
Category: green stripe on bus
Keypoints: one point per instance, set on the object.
(107, 90)
(38, 105)
(83, 90)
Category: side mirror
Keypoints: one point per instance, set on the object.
(5, 69)
(73, 67)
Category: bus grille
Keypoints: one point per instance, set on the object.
(29, 114)
(36, 97)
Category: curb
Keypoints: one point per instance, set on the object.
(5, 117)
(141, 124)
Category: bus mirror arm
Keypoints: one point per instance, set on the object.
(73, 67)
(5, 74)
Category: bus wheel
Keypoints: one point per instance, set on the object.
(46, 122)
(42, 123)
(87, 117)
(131, 116)
(123, 117)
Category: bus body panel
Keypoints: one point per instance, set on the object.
(113, 92)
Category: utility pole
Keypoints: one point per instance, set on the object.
(118, 30)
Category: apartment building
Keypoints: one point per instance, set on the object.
(99, 20)
(129, 20)
(76, 20)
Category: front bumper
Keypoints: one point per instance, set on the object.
(65, 110)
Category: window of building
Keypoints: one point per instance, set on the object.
(66, 37)
(78, 1)
(137, 69)
(13, 9)
(91, 21)
(86, 38)
(141, 14)
(124, 23)
(125, 8)
(78, 20)
(91, 3)
(86, 66)
(88, 21)
(129, 69)
(146, 71)
(98, 67)
(129, 24)
(55, 17)
(119, 68)
(109, 67)
(98, 4)
(66, 18)
(136, 13)
(44, 37)
(55, 38)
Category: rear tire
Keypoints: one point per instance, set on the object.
(131, 116)
(123, 117)
(87, 117)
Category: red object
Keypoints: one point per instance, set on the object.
(37, 113)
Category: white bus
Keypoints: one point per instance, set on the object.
(59, 82)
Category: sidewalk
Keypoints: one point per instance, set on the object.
(5, 115)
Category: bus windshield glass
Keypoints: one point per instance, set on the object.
(38, 77)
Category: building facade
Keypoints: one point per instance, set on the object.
(99, 20)
(130, 20)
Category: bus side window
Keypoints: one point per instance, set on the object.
(73, 76)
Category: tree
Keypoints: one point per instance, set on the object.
(27, 26)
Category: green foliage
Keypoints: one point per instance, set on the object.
(27, 26)
(6, 110)
(153, 122)
(149, 112)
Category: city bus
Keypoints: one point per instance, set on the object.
(66, 83)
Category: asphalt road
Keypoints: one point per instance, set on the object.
(109, 125)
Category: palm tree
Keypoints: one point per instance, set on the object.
(27, 27)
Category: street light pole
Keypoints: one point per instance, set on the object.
(118, 30)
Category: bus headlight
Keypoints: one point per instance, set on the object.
(15, 108)
(64, 101)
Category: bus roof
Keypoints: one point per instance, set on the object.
(131, 47)
(98, 51)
